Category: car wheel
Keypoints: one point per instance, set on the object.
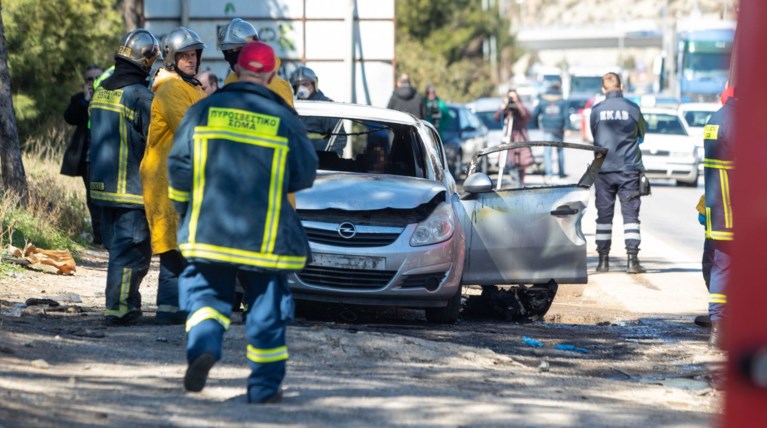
(446, 314)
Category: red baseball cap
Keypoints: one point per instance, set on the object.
(257, 57)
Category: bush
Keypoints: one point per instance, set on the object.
(56, 216)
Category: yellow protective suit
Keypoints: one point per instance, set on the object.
(172, 98)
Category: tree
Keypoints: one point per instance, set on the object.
(441, 42)
(12, 170)
(49, 44)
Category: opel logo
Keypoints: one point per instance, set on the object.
(347, 230)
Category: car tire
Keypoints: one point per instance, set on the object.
(446, 314)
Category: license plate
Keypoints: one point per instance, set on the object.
(348, 262)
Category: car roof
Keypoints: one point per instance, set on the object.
(699, 106)
(485, 104)
(354, 111)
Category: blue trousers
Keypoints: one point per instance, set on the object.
(207, 291)
(721, 271)
(623, 185)
(548, 152)
(126, 236)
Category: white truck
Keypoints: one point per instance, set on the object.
(348, 43)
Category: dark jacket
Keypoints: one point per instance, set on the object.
(75, 161)
(551, 114)
(618, 125)
(718, 171)
(408, 100)
(119, 111)
(321, 128)
(236, 156)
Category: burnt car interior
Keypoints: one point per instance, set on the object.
(376, 148)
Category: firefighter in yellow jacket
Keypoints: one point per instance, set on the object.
(231, 40)
(175, 90)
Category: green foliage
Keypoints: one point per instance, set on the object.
(441, 42)
(49, 45)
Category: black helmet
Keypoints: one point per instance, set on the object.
(181, 39)
(236, 34)
(139, 47)
(304, 74)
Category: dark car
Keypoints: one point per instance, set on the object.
(463, 134)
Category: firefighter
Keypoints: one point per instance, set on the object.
(248, 135)
(718, 169)
(618, 125)
(232, 38)
(120, 112)
(321, 130)
(175, 90)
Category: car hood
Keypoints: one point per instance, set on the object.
(667, 142)
(366, 192)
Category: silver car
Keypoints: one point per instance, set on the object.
(387, 225)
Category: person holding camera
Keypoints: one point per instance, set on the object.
(515, 112)
(618, 125)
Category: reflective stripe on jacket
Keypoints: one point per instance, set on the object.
(718, 171)
(236, 156)
(119, 121)
(173, 97)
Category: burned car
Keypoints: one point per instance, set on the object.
(387, 225)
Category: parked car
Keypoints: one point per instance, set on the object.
(668, 150)
(463, 134)
(485, 109)
(387, 225)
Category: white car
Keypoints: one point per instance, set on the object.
(696, 116)
(668, 150)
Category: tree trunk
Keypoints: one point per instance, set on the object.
(132, 14)
(12, 169)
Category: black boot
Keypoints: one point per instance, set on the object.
(604, 263)
(715, 338)
(703, 321)
(633, 265)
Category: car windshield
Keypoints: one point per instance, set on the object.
(377, 147)
(487, 118)
(660, 123)
(697, 119)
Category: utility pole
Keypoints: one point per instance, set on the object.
(349, 60)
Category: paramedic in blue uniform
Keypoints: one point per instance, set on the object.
(617, 125)
(119, 114)
(236, 156)
(718, 170)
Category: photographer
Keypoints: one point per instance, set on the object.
(513, 109)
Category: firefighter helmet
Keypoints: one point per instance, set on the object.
(139, 47)
(236, 34)
(304, 74)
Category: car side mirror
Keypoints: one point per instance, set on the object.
(478, 182)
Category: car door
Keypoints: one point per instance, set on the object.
(527, 235)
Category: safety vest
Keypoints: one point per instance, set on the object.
(719, 166)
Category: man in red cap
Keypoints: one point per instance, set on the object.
(236, 156)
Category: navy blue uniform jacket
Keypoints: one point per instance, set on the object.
(617, 124)
(236, 155)
(718, 169)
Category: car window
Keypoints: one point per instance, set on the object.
(474, 122)
(452, 123)
(464, 118)
(697, 119)
(489, 121)
(377, 148)
(668, 124)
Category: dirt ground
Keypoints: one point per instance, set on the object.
(361, 366)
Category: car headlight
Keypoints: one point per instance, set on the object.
(437, 228)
